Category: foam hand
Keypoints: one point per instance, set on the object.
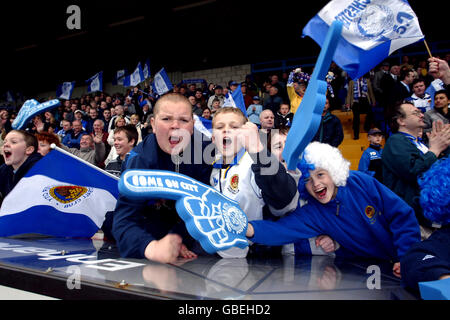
(306, 124)
(214, 220)
(31, 108)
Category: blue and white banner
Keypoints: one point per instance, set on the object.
(135, 78)
(95, 83)
(64, 90)
(161, 82)
(146, 69)
(372, 30)
(61, 195)
(119, 77)
(203, 125)
(236, 100)
(30, 109)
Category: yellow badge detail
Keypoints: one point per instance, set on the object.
(67, 194)
(369, 211)
(234, 182)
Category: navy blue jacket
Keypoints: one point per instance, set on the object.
(137, 223)
(330, 130)
(9, 179)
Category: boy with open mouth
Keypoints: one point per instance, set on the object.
(239, 171)
(20, 154)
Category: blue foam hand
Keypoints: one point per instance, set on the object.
(30, 109)
(435, 290)
(308, 116)
(214, 220)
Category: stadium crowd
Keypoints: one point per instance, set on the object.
(405, 103)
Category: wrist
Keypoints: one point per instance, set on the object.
(149, 250)
(250, 231)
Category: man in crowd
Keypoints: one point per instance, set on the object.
(405, 157)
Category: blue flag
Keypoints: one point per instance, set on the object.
(61, 195)
(95, 83)
(146, 69)
(161, 82)
(236, 100)
(64, 90)
(119, 77)
(203, 125)
(135, 78)
(372, 30)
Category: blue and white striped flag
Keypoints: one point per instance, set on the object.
(372, 30)
(236, 100)
(119, 77)
(64, 90)
(95, 83)
(161, 82)
(146, 69)
(61, 195)
(135, 78)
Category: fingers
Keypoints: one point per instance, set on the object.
(165, 250)
(186, 253)
(396, 269)
(249, 136)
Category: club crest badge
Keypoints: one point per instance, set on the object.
(370, 213)
(234, 184)
(66, 194)
(211, 218)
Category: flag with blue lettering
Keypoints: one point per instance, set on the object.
(146, 69)
(61, 195)
(203, 125)
(236, 100)
(135, 78)
(161, 82)
(119, 77)
(372, 30)
(64, 90)
(95, 83)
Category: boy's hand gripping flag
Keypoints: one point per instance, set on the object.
(214, 220)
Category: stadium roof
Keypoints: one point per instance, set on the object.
(39, 51)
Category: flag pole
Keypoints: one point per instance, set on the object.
(428, 48)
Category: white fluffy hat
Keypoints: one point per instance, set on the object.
(322, 155)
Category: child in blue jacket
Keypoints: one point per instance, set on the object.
(370, 161)
(360, 213)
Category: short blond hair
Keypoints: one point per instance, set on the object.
(229, 110)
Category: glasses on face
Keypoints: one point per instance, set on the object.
(417, 113)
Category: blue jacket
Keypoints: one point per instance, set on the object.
(427, 260)
(72, 140)
(366, 218)
(137, 223)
